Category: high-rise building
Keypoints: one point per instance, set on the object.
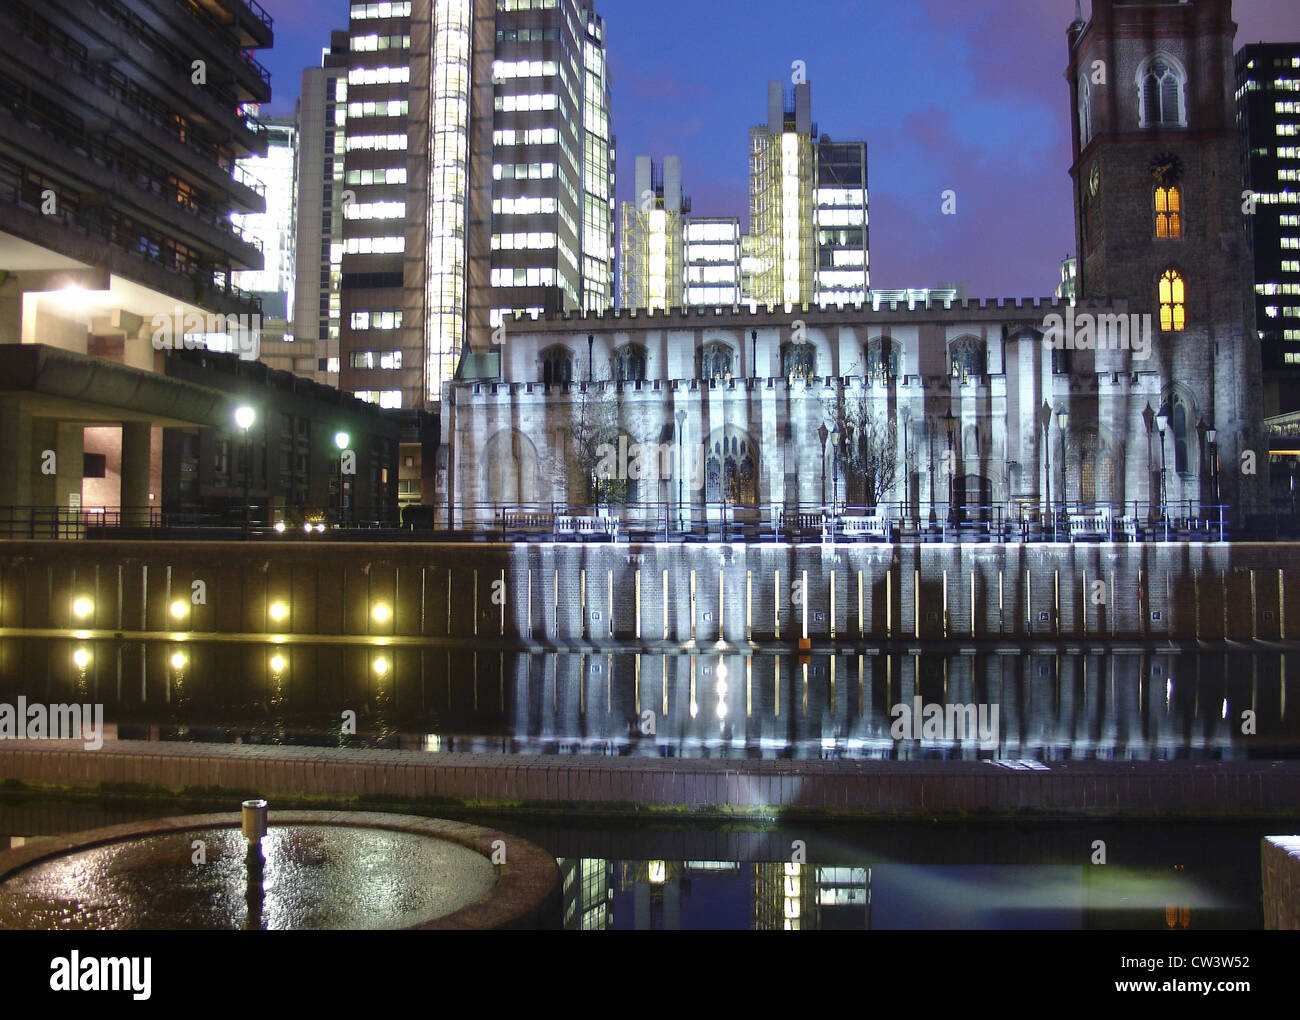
(318, 254)
(651, 268)
(122, 130)
(808, 208)
(553, 163)
(712, 259)
(274, 227)
(1268, 111)
(275, 231)
(478, 170)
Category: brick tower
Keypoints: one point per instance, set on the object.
(1160, 224)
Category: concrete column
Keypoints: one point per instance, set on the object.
(68, 446)
(18, 462)
(136, 438)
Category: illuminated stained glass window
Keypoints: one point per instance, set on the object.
(1169, 212)
(968, 357)
(883, 357)
(799, 361)
(1173, 302)
(716, 362)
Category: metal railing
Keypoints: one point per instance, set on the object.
(669, 522)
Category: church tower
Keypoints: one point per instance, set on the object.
(1160, 223)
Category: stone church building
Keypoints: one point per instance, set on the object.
(1145, 391)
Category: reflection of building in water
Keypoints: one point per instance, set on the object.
(1049, 706)
(796, 897)
(588, 893)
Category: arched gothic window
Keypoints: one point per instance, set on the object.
(731, 472)
(716, 361)
(1169, 211)
(629, 363)
(1085, 110)
(884, 359)
(968, 357)
(557, 366)
(1173, 302)
(1178, 422)
(1160, 93)
(799, 361)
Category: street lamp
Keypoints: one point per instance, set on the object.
(835, 470)
(931, 426)
(1149, 420)
(950, 421)
(1162, 424)
(822, 433)
(906, 414)
(244, 418)
(1063, 420)
(681, 462)
(342, 440)
(1212, 434)
(1202, 460)
(1045, 423)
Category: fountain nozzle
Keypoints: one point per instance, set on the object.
(253, 816)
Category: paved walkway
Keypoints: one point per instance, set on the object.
(759, 788)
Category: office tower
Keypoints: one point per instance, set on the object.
(120, 145)
(274, 228)
(808, 208)
(651, 266)
(553, 163)
(321, 189)
(275, 231)
(712, 259)
(1069, 278)
(1157, 176)
(479, 173)
(842, 274)
(1268, 111)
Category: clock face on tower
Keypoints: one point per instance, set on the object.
(1166, 169)
(1094, 179)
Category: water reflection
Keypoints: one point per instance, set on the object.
(1044, 706)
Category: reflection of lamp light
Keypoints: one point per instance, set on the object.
(178, 660)
(81, 657)
(277, 663)
(381, 666)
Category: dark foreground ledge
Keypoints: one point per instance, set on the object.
(309, 776)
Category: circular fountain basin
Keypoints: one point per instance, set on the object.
(319, 870)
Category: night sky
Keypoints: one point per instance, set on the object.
(949, 94)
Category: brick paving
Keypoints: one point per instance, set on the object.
(758, 788)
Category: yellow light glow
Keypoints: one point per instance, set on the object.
(657, 872)
(381, 613)
(83, 607)
(279, 527)
(381, 666)
(179, 609)
(277, 663)
(81, 657)
(178, 660)
(279, 611)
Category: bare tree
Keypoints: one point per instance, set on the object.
(868, 447)
(594, 431)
